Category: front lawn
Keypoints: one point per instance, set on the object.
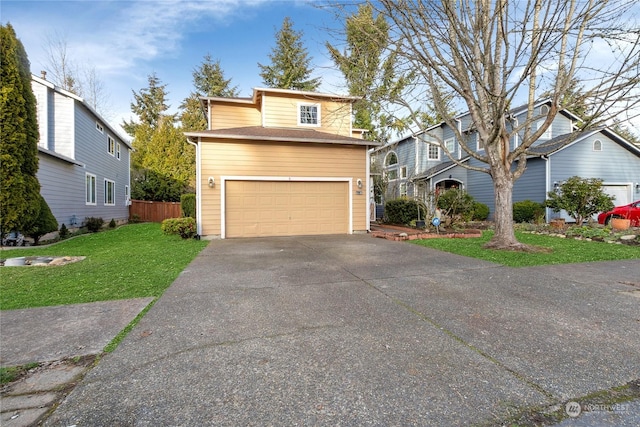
(563, 251)
(132, 261)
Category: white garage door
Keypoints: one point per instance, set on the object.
(622, 193)
(286, 208)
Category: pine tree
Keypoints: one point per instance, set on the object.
(44, 223)
(208, 80)
(290, 62)
(149, 105)
(20, 189)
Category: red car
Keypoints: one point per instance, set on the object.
(630, 211)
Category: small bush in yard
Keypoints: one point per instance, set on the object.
(402, 211)
(188, 205)
(93, 224)
(185, 227)
(112, 223)
(64, 231)
(480, 211)
(527, 211)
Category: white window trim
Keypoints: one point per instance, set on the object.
(593, 146)
(113, 192)
(437, 157)
(547, 133)
(450, 145)
(388, 165)
(86, 192)
(403, 189)
(127, 196)
(318, 117)
(118, 148)
(392, 169)
(403, 172)
(478, 147)
(111, 145)
(99, 127)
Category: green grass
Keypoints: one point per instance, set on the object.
(132, 261)
(563, 251)
(12, 373)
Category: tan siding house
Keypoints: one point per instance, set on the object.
(281, 163)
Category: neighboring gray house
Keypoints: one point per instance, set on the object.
(83, 162)
(416, 165)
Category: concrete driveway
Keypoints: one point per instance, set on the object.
(352, 330)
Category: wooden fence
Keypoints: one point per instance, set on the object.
(154, 211)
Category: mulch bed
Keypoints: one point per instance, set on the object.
(398, 233)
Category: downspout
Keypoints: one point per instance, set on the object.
(198, 188)
(368, 189)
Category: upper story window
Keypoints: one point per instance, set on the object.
(403, 172)
(309, 114)
(111, 148)
(118, 147)
(391, 159)
(433, 152)
(450, 145)
(597, 145)
(99, 127)
(479, 143)
(516, 137)
(544, 111)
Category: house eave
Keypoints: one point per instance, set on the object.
(60, 156)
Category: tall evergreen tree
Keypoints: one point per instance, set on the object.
(149, 105)
(20, 189)
(290, 62)
(160, 149)
(208, 80)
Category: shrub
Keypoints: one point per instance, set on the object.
(185, 227)
(93, 224)
(188, 205)
(480, 211)
(403, 211)
(64, 231)
(527, 211)
(135, 219)
(580, 197)
(112, 223)
(44, 223)
(456, 203)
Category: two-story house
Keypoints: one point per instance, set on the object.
(83, 162)
(281, 163)
(416, 165)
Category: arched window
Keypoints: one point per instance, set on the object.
(597, 145)
(544, 110)
(391, 159)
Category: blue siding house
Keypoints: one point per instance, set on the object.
(417, 165)
(83, 162)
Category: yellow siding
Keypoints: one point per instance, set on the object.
(281, 110)
(233, 158)
(233, 115)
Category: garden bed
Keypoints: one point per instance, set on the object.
(399, 233)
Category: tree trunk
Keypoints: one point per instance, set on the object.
(504, 236)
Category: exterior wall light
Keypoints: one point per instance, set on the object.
(212, 182)
(359, 183)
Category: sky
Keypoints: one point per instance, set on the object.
(126, 41)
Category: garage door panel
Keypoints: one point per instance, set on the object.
(284, 208)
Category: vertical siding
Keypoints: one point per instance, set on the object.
(63, 113)
(237, 158)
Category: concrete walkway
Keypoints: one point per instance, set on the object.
(352, 330)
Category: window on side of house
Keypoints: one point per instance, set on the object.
(109, 192)
(433, 152)
(391, 159)
(450, 145)
(597, 145)
(403, 172)
(118, 147)
(403, 189)
(99, 127)
(309, 114)
(111, 146)
(90, 189)
(392, 174)
(547, 133)
(479, 144)
(127, 196)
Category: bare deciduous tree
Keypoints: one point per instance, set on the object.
(494, 54)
